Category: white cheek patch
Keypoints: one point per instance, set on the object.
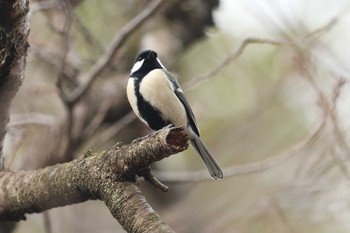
(161, 64)
(137, 66)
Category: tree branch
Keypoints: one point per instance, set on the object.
(108, 176)
(127, 204)
(198, 80)
(209, 75)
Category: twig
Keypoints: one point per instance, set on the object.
(43, 5)
(47, 54)
(32, 119)
(88, 36)
(97, 120)
(333, 114)
(149, 177)
(304, 65)
(185, 177)
(47, 222)
(209, 75)
(60, 81)
(324, 29)
(195, 82)
(339, 158)
(65, 49)
(114, 129)
(268, 163)
(15, 145)
(116, 44)
(277, 213)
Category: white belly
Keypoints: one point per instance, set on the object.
(130, 93)
(157, 90)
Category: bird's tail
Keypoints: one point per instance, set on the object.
(208, 159)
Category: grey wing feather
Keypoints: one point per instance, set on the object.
(213, 167)
(179, 93)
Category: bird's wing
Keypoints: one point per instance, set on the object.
(180, 94)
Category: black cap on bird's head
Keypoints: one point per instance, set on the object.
(146, 54)
(145, 62)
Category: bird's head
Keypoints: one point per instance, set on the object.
(145, 62)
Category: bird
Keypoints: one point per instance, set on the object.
(158, 100)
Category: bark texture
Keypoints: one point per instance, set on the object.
(108, 176)
(14, 31)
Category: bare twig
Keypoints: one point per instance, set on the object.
(61, 76)
(64, 48)
(47, 54)
(114, 129)
(277, 212)
(195, 82)
(183, 177)
(320, 31)
(116, 44)
(209, 75)
(18, 120)
(271, 162)
(97, 120)
(338, 157)
(43, 5)
(333, 114)
(47, 222)
(11, 154)
(88, 36)
(149, 177)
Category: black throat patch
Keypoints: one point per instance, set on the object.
(150, 114)
(147, 66)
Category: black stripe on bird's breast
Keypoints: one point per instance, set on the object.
(149, 113)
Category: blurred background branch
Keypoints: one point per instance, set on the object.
(276, 105)
(116, 44)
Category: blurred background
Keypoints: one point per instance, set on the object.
(268, 82)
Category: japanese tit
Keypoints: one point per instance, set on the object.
(158, 100)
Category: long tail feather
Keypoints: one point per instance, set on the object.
(208, 159)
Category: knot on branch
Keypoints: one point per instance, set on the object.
(177, 139)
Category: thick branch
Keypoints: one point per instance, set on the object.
(14, 30)
(107, 176)
(127, 204)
